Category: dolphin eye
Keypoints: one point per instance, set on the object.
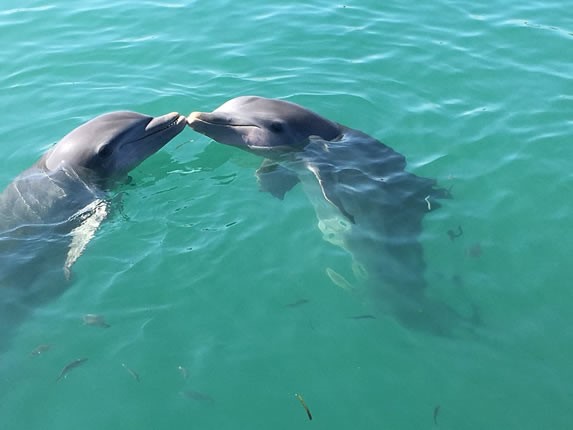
(104, 151)
(276, 127)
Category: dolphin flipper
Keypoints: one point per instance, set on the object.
(275, 179)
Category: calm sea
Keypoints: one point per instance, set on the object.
(217, 295)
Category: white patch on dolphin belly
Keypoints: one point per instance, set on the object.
(334, 229)
(92, 216)
(333, 225)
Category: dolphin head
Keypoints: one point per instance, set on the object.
(262, 125)
(109, 146)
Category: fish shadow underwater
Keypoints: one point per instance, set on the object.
(364, 199)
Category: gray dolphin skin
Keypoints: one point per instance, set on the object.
(364, 199)
(50, 211)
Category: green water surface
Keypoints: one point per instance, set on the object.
(200, 270)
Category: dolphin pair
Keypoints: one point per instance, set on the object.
(50, 211)
(364, 199)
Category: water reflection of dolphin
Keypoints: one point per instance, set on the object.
(364, 199)
(50, 211)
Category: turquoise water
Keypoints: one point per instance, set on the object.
(199, 269)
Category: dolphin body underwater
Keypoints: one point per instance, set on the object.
(50, 211)
(364, 200)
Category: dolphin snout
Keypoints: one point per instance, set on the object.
(195, 121)
(192, 117)
(217, 119)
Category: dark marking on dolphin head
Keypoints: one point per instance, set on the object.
(110, 145)
(263, 125)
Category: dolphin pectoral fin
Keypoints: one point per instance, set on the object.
(327, 183)
(91, 218)
(276, 179)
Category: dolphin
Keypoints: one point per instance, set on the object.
(50, 211)
(365, 200)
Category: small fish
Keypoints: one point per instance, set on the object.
(297, 303)
(339, 280)
(196, 395)
(455, 234)
(131, 372)
(95, 320)
(70, 366)
(359, 271)
(474, 251)
(303, 403)
(436, 412)
(458, 281)
(40, 349)
(363, 317)
(183, 371)
(183, 143)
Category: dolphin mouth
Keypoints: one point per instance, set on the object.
(161, 123)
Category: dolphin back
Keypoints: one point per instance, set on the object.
(386, 202)
(384, 206)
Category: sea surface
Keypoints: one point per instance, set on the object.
(217, 297)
